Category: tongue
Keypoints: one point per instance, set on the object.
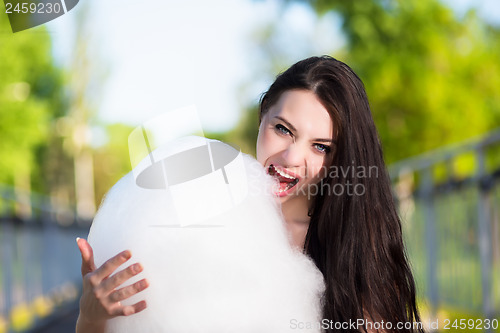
(283, 185)
(284, 182)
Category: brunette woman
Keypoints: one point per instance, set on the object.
(318, 138)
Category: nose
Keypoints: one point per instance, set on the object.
(294, 155)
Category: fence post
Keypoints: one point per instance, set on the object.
(430, 239)
(484, 233)
(6, 238)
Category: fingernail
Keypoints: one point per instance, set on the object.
(77, 238)
(127, 254)
(137, 268)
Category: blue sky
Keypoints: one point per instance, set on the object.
(160, 55)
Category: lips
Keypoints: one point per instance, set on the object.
(287, 180)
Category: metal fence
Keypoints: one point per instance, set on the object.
(451, 224)
(39, 259)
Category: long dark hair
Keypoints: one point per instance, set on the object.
(355, 239)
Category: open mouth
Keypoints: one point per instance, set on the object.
(286, 180)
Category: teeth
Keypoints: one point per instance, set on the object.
(282, 174)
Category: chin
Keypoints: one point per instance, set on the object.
(289, 197)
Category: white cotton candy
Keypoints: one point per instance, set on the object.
(236, 274)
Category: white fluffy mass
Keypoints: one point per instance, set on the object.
(240, 277)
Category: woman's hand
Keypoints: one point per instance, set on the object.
(100, 299)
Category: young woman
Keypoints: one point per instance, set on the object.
(318, 138)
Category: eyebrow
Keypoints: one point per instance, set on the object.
(295, 130)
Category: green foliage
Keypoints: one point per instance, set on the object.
(111, 161)
(30, 96)
(431, 78)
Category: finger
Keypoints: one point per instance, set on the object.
(112, 264)
(122, 276)
(128, 291)
(131, 309)
(87, 256)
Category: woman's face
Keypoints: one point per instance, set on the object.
(295, 143)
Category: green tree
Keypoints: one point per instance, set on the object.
(30, 97)
(432, 79)
(111, 161)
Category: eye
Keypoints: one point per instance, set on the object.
(324, 149)
(282, 129)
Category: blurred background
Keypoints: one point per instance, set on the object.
(72, 90)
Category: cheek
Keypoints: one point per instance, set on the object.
(317, 170)
(262, 146)
(268, 145)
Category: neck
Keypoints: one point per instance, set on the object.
(297, 206)
(295, 211)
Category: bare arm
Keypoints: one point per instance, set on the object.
(100, 299)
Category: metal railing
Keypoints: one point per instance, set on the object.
(39, 259)
(451, 224)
